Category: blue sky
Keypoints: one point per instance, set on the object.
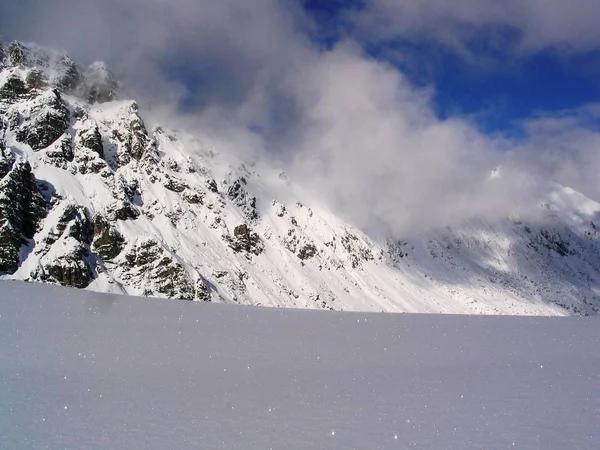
(496, 89)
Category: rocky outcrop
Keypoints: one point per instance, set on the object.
(299, 244)
(133, 141)
(192, 196)
(89, 152)
(16, 55)
(107, 242)
(36, 79)
(60, 153)
(64, 248)
(245, 240)
(44, 121)
(7, 160)
(67, 75)
(13, 88)
(241, 198)
(147, 265)
(22, 206)
(88, 136)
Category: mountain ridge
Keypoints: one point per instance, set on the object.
(92, 198)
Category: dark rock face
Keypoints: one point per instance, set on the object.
(552, 240)
(123, 210)
(69, 76)
(61, 154)
(212, 185)
(241, 198)
(135, 142)
(192, 196)
(36, 80)
(89, 152)
(48, 121)
(174, 184)
(108, 242)
(245, 240)
(147, 260)
(6, 160)
(22, 206)
(307, 251)
(13, 88)
(15, 54)
(71, 270)
(202, 291)
(74, 267)
(74, 222)
(90, 137)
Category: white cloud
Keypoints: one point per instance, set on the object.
(351, 127)
(537, 24)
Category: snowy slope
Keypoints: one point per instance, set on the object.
(129, 208)
(88, 370)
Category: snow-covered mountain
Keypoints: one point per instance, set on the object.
(92, 197)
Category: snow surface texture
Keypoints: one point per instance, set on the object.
(87, 370)
(161, 213)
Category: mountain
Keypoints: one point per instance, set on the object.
(92, 197)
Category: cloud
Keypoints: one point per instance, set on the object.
(374, 148)
(347, 125)
(523, 26)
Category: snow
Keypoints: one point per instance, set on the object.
(476, 268)
(80, 369)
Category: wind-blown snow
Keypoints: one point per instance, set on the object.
(80, 369)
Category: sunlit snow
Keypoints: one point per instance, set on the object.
(80, 369)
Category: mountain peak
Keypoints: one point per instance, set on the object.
(90, 198)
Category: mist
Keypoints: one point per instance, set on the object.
(346, 125)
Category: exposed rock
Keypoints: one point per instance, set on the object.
(307, 251)
(70, 268)
(174, 184)
(552, 240)
(356, 250)
(60, 153)
(88, 161)
(88, 136)
(279, 208)
(202, 291)
(15, 54)
(397, 250)
(148, 265)
(245, 240)
(107, 242)
(22, 206)
(64, 249)
(240, 197)
(300, 245)
(13, 88)
(36, 79)
(72, 221)
(132, 139)
(44, 122)
(211, 184)
(122, 210)
(192, 196)
(7, 160)
(68, 75)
